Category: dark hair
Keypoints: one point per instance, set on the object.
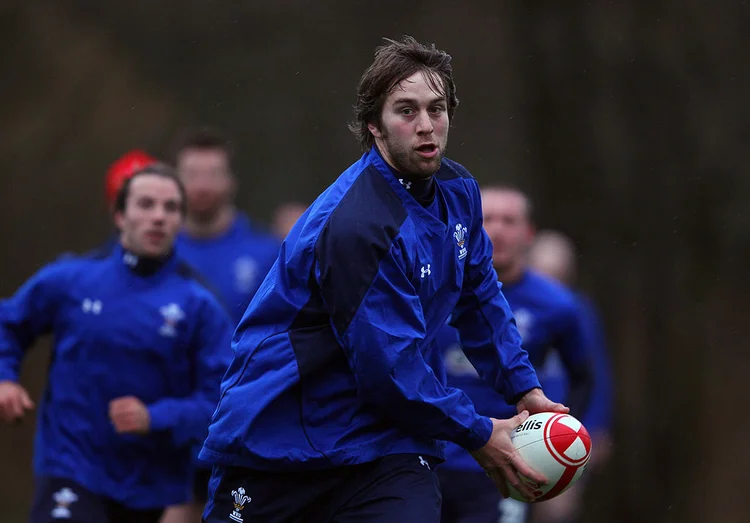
(511, 187)
(200, 138)
(155, 169)
(394, 62)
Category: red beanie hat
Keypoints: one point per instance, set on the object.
(122, 169)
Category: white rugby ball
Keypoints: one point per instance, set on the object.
(558, 446)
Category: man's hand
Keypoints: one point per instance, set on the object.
(129, 415)
(14, 401)
(500, 459)
(535, 402)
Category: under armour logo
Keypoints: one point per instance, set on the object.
(405, 183)
(426, 271)
(90, 306)
(424, 463)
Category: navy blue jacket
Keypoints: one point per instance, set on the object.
(160, 337)
(330, 358)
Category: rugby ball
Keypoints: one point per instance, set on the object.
(558, 446)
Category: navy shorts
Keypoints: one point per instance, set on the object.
(471, 497)
(402, 487)
(60, 499)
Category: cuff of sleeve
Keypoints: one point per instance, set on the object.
(479, 434)
(520, 384)
(8, 375)
(160, 414)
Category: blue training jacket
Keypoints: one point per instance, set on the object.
(329, 365)
(234, 264)
(549, 321)
(158, 336)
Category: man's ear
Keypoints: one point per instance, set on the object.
(374, 130)
(119, 219)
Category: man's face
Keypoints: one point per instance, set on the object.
(152, 215)
(506, 221)
(208, 182)
(413, 131)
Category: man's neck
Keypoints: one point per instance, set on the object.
(141, 264)
(214, 227)
(511, 274)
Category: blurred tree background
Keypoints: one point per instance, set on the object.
(624, 120)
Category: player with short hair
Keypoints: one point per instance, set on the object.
(329, 411)
(554, 254)
(548, 320)
(232, 253)
(139, 350)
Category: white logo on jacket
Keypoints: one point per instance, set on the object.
(172, 314)
(90, 306)
(245, 272)
(460, 236)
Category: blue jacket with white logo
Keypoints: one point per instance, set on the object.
(330, 358)
(549, 321)
(158, 336)
(233, 264)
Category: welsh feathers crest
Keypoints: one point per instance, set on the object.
(239, 501)
(460, 236)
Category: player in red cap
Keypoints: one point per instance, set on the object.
(122, 169)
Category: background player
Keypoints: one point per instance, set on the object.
(135, 365)
(221, 243)
(548, 320)
(554, 254)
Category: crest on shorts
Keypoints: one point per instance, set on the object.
(64, 498)
(239, 500)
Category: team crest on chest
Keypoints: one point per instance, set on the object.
(460, 236)
(524, 323)
(245, 271)
(172, 315)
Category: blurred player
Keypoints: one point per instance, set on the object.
(329, 412)
(218, 240)
(231, 254)
(285, 216)
(554, 254)
(547, 317)
(135, 365)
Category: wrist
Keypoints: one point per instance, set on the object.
(526, 394)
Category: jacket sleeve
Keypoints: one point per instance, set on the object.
(486, 325)
(188, 417)
(29, 313)
(377, 318)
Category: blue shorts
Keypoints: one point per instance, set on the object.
(469, 496)
(401, 487)
(60, 499)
